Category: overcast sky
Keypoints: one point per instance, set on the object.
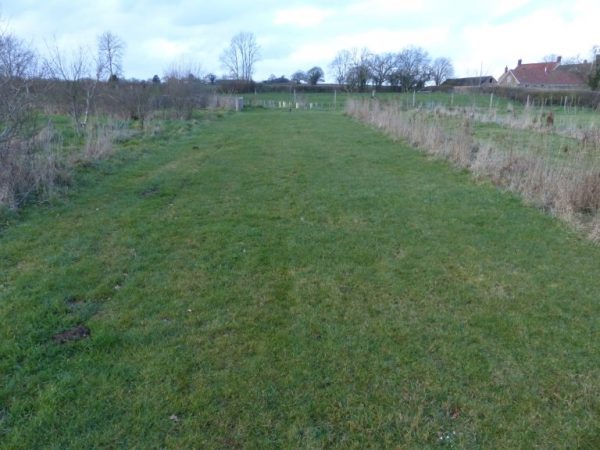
(478, 36)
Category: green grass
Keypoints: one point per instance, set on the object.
(552, 147)
(294, 280)
(564, 118)
(327, 100)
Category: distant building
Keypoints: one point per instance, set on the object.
(469, 82)
(547, 75)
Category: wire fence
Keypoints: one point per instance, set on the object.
(290, 104)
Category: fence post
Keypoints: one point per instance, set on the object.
(239, 103)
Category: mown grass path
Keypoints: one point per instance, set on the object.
(295, 280)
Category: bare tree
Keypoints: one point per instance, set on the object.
(550, 58)
(412, 69)
(381, 67)
(110, 55)
(554, 58)
(183, 81)
(577, 59)
(17, 65)
(241, 56)
(16, 60)
(441, 70)
(359, 73)
(76, 76)
(340, 66)
(184, 69)
(27, 158)
(352, 68)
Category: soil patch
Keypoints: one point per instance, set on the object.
(74, 334)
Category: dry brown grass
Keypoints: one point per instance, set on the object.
(36, 166)
(100, 139)
(30, 167)
(537, 120)
(567, 190)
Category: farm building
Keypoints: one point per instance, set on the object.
(469, 82)
(547, 75)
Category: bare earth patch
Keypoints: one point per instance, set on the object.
(74, 334)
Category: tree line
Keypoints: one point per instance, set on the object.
(411, 68)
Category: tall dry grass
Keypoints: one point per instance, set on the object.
(31, 167)
(569, 190)
(538, 120)
(38, 165)
(100, 139)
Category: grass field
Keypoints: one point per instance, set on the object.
(294, 280)
(506, 123)
(337, 100)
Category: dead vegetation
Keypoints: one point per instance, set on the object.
(36, 155)
(568, 188)
(101, 137)
(530, 119)
(28, 167)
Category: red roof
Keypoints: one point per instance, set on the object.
(547, 73)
